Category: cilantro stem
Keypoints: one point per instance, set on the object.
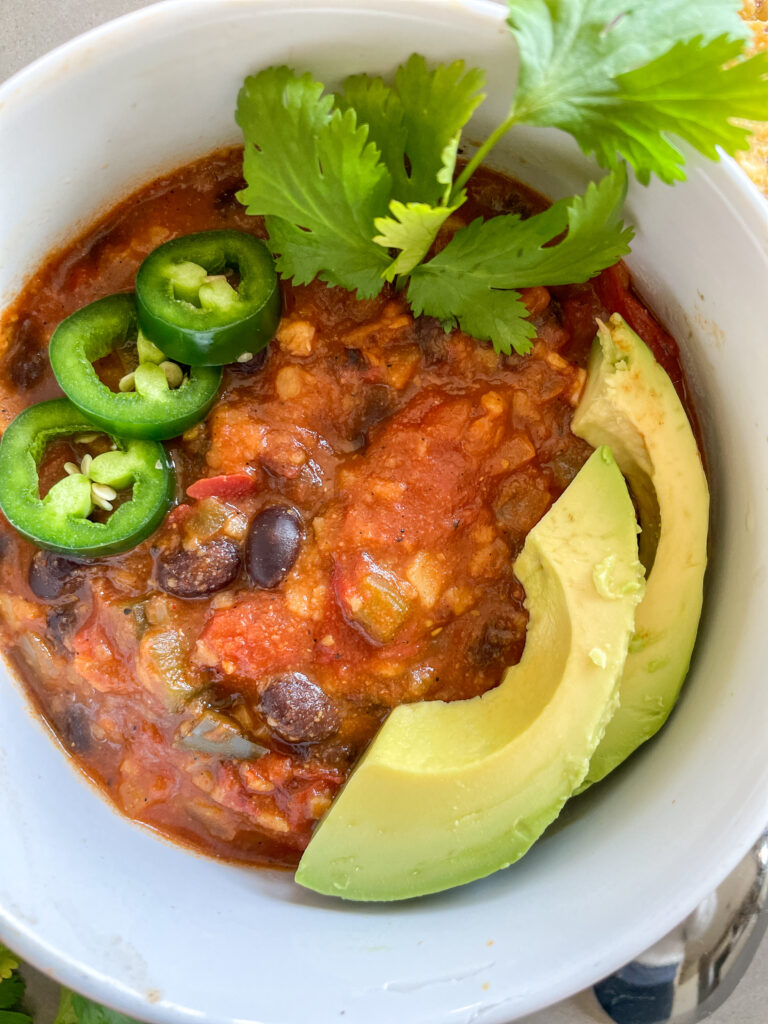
(496, 135)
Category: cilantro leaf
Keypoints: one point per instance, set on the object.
(315, 177)
(477, 277)
(8, 962)
(618, 78)
(416, 123)
(412, 228)
(66, 1011)
(667, 96)
(489, 314)
(12, 987)
(378, 106)
(573, 48)
(11, 991)
(76, 1009)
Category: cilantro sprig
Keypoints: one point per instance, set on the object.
(355, 187)
(622, 80)
(12, 990)
(472, 273)
(339, 206)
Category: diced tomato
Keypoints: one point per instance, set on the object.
(343, 644)
(231, 485)
(177, 516)
(256, 638)
(95, 660)
(396, 497)
(580, 309)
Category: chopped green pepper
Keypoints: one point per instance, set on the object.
(374, 599)
(59, 521)
(188, 306)
(164, 667)
(163, 404)
(214, 733)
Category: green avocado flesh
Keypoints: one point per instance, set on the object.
(631, 404)
(448, 793)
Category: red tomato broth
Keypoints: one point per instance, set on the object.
(418, 461)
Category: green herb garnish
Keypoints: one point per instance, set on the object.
(76, 1009)
(313, 174)
(355, 187)
(416, 123)
(471, 276)
(621, 80)
(8, 963)
(12, 989)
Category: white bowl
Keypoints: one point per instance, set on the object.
(163, 934)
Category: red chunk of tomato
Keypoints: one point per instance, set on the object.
(580, 309)
(96, 662)
(105, 647)
(397, 496)
(256, 638)
(230, 485)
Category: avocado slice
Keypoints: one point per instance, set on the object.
(630, 403)
(448, 793)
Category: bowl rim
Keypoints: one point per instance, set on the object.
(162, 8)
(750, 202)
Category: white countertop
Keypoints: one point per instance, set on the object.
(28, 29)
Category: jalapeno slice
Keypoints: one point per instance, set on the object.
(160, 400)
(209, 299)
(59, 521)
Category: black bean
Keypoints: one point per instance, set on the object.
(226, 201)
(432, 339)
(29, 371)
(28, 357)
(51, 575)
(61, 622)
(376, 405)
(493, 643)
(298, 710)
(272, 545)
(517, 203)
(355, 357)
(76, 730)
(252, 365)
(201, 571)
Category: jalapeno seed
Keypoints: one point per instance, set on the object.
(298, 710)
(199, 572)
(252, 365)
(272, 545)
